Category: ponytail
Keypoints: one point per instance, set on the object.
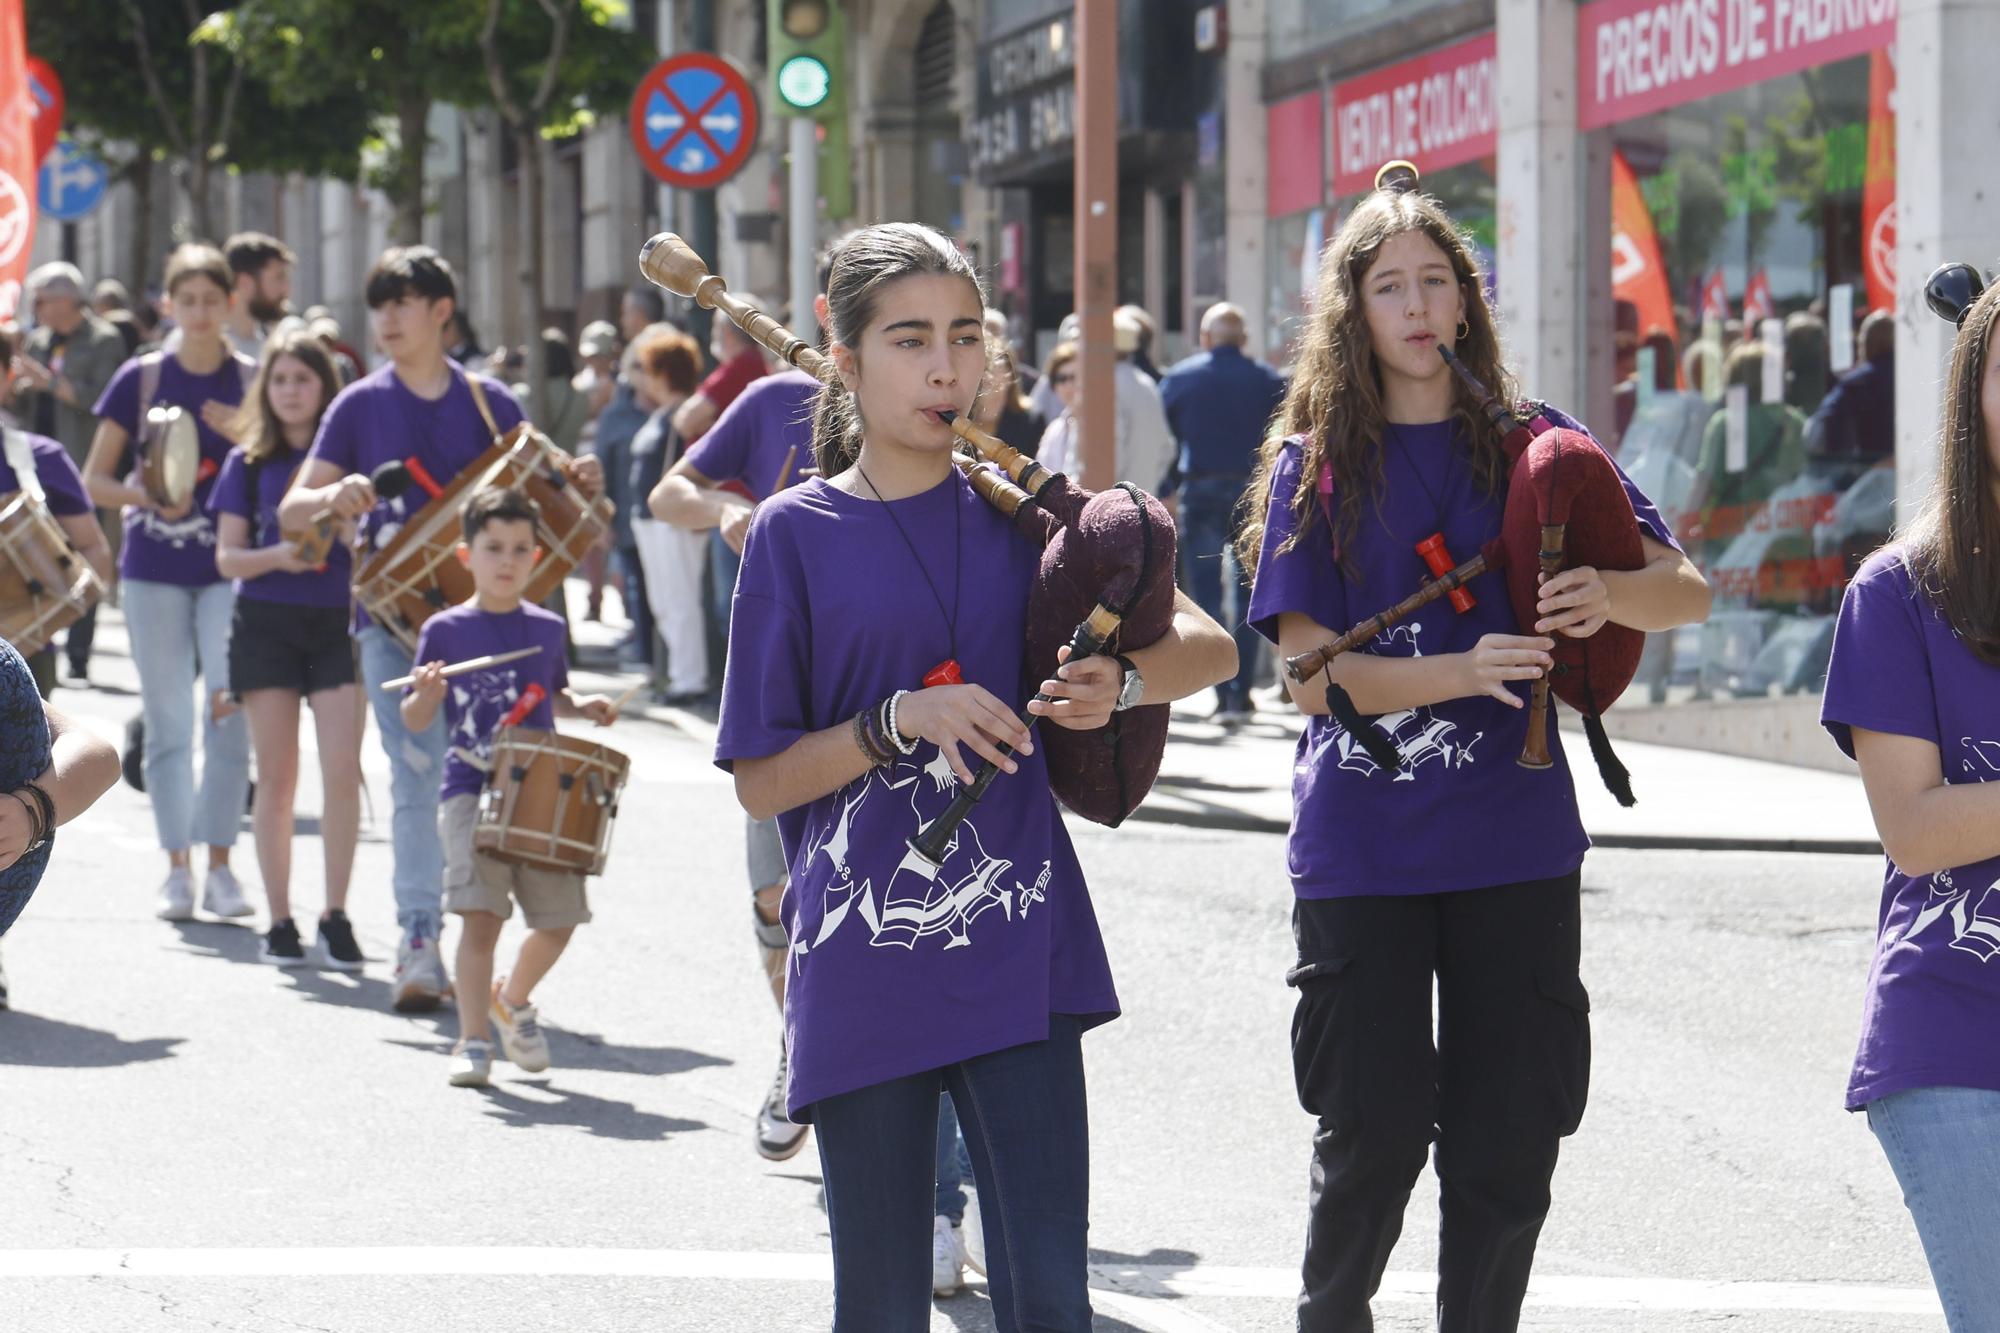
(836, 429)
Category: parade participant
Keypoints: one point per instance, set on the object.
(499, 548)
(61, 370)
(1913, 695)
(1461, 870)
(177, 607)
(824, 727)
(422, 406)
(763, 443)
(262, 268)
(289, 643)
(67, 497)
(51, 771)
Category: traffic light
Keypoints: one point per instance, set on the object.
(808, 41)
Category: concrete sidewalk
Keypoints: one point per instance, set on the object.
(1687, 799)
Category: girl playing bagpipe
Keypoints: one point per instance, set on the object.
(876, 658)
(1913, 694)
(1453, 865)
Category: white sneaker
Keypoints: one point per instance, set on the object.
(947, 1258)
(177, 896)
(972, 1232)
(221, 895)
(471, 1064)
(419, 985)
(520, 1030)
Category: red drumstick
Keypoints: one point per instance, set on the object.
(1438, 556)
(422, 477)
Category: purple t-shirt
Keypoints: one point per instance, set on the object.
(180, 550)
(377, 419)
(56, 470)
(769, 424)
(475, 703)
(893, 971)
(322, 587)
(1461, 814)
(1933, 998)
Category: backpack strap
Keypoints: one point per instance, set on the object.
(479, 399)
(149, 386)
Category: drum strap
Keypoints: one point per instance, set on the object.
(21, 457)
(479, 399)
(149, 384)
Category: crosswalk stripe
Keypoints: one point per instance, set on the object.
(1143, 1286)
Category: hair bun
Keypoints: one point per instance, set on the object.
(1397, 177)
(1951, 291)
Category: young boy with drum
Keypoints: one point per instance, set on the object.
(1913, 695)
(289, 643)
(499, 548)
(981, 979)
(436, 417)
(1461, 870)
(177, 607)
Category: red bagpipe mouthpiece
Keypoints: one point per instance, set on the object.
(1438, 556)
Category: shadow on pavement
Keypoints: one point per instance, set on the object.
(213, 939)
(49, 1043)
(589, 1050)
(603, 1117)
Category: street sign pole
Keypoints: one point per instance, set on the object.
(703, 232)
(804, 224)
(1097, 238)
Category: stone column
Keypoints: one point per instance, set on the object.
(1947, 204)
(1245, 168)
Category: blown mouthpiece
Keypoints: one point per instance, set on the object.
(390, 480)
(948, 416)
(1951, 291)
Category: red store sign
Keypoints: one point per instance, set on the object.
(1639, 56)
(1438, 110)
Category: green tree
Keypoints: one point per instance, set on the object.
(148, 75)
(551, 67)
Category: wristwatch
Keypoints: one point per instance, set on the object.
(1133, 686)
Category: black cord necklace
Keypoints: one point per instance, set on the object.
(949, 668)
(1436, 497)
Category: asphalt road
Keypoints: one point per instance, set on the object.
(189, 1138)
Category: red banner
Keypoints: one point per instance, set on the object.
(17, 158)
(1294, 154)
(1437, 111)
(1637, 275)
(1758, 303)
(1878, 187)
(1639, 56)
(1715, 298)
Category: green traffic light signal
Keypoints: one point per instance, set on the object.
(804, 82)
(808, 47)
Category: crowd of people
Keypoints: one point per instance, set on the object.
(1440, 1004)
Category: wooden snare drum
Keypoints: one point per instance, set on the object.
(418, 575)
(549, 800)
(169, 456)
(45, 584)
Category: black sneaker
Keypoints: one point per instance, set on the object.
(3, 988)
(281, 945)
(337, 948)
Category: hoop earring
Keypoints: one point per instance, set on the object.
(1464, 330)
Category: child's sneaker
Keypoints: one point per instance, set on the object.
(420, 984)
(177, 896)
(222, 896)
(282, 946)
(471, 1063)
(947, 1258)
(520, 1032)
(337, 947)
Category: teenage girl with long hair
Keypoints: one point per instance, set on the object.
(855, 585)
(1462, 869)
(289, 643)
(1913, 695)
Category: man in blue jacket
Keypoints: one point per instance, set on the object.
(1219, 403)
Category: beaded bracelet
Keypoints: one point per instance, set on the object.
(877, 737)
(889, 724)
(865, 739)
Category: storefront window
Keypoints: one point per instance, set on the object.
(1754, 392)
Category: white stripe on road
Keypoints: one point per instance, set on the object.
(1145, 1286)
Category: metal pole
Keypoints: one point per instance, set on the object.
(702, 228)
(1097, 234)
(667, 40)
(804, 226)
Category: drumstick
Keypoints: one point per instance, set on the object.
(472, 664)
(618, 704)
(785, 471)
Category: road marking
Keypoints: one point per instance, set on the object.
(1133, 1286)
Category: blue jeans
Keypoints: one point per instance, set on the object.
(173, 630)
(1026, 1125)
(1208, 525)
(1944, 1146)
(416, 770)
(953, 1164)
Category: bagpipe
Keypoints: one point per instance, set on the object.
(1105, 582)
(1566, 506)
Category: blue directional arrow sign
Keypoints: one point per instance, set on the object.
(694, 120)
(73, 181)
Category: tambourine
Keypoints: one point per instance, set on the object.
(169, 456)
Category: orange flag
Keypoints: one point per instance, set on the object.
(1637, 275)
(1878, 187)
(17, 158)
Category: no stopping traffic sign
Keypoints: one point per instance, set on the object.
(694, 120)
